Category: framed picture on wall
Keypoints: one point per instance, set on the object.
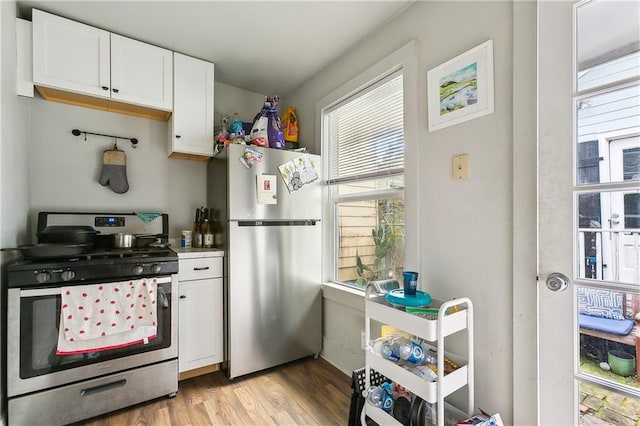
(461, 89)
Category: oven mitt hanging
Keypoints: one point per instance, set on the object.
(114, 171)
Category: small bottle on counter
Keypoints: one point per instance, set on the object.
(216, 229)
(197, 235)
(207, 235)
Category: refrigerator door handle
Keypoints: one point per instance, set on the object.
(306, 222)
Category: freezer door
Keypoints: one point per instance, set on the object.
(274, 297)
(305, 203)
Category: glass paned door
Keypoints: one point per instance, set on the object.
(589, 116)
(607, 192)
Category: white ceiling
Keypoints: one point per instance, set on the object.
(268, 47)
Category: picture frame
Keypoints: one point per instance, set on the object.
(461, 89)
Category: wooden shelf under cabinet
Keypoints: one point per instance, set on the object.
(70, 98)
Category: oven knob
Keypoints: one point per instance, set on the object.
(137, 270)
(156, 268)
(43, 277)
(68, 275)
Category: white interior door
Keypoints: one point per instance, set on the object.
(578, 359)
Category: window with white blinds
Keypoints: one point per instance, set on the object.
(363, 140)
(365, 133)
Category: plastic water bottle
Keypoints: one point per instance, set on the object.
(386, 351)
(407, 350)
(425, 371)
(384, 347)
(381, 396)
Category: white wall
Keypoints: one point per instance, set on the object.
(466, 227)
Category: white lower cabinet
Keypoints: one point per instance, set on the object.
(200, 316)
(452, 317)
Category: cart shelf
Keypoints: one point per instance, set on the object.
(453, 316)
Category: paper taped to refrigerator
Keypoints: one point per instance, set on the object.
(298, 172)
(266, 189)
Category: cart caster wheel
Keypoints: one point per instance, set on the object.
(316, 356)
(172, 395)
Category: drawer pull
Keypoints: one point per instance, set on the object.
(103, 388)
(182, 296)
(201, 268)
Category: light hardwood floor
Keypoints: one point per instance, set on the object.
(305, 392)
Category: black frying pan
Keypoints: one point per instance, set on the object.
(51, 250)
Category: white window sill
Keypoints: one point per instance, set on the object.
(344, 295)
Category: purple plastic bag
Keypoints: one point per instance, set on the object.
(267, 128)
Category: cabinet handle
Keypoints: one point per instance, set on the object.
(115, 90)
(182, 296)
(105, 88)
(202, 268)
(178, 136)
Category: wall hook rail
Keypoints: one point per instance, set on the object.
(76, 132)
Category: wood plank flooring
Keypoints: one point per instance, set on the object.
(304, 392)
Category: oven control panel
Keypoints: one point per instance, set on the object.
(109, 221)
(77, 274)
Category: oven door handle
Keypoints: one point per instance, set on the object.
(54, 291)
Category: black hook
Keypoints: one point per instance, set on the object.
(76, 132)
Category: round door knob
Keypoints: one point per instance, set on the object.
(155, 268)
(137, 270)
(557, 281)
(68, 275)
(43, 277)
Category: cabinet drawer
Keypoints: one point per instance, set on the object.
(200, 268)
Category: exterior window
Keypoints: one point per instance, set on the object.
(363, 139)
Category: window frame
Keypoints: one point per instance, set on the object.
(405, 61)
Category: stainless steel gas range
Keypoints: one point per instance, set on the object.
(46, 385)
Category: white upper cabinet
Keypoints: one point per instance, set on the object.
(82, 65)
(191, 125)
(141, 73)
(70, 55)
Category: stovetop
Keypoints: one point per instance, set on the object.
(98, 265)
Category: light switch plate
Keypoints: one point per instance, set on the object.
(461, 167)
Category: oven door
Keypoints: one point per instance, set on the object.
(32, 338)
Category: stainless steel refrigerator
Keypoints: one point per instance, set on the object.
(272, 244)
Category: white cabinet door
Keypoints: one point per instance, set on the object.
(69, 55)
(191, 127)
(200, 324)
(141, 73)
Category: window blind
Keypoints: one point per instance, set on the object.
(367, 132)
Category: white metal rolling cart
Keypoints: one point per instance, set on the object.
(431, 330)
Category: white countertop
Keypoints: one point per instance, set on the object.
(187, 253)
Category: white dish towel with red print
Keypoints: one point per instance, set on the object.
(100, 317)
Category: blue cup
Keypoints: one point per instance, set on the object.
(410, 282)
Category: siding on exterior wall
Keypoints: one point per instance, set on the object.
(357, 219)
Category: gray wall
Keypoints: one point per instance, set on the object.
(64, 169)
(14, 146)
(14, 164)
(466, 228)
